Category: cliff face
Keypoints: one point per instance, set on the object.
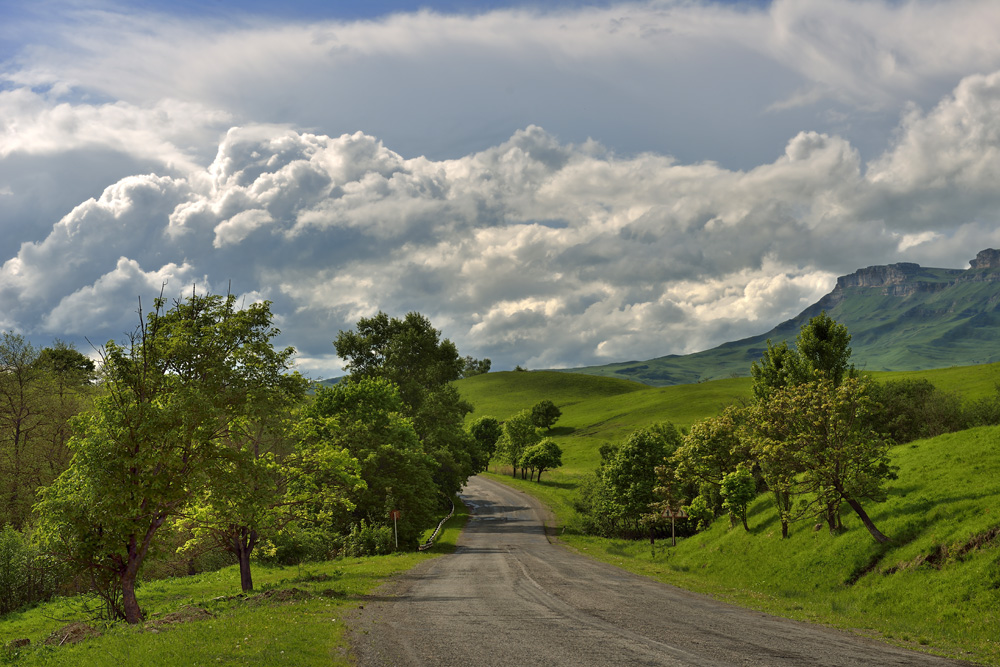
(906, 278)
(880, 276)
(986, 259)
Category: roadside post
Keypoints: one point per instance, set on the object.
(673, 514)
(395, 530)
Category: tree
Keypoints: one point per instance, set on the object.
(824, 434)
(629, 475)
(517, 435)
(174, 393)
(544, 414)
(713, 449)
(410, 354)
(777, 368)
(822, 350)
(365, 418)
(486, 431)
(263, 480)
(822, 346)
(476, 367)
(541, 457)
(738, 489)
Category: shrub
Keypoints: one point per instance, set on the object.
(368, 539)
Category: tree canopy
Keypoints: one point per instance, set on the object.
(175, 393)
(410, 354)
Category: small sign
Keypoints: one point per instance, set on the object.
(395, 514)
(671, 513)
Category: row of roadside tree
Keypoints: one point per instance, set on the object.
(197, 434)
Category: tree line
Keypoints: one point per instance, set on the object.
(516, 441)
(195, 433)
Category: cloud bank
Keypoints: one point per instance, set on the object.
(241, 165)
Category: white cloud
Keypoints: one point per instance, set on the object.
(536, 246)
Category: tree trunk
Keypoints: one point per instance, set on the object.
(243, 544)
(136, 553)
(865, 519)
(831, 517)
(743, 515)
(540, 474)
(130, 605)
(784, 529)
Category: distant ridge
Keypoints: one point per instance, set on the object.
(901, 317)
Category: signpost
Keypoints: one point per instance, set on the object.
(395, 514)
(673, 514)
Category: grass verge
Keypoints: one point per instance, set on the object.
(295, 617)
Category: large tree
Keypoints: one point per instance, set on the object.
(410, 353)
(265, 479)
(541, 457)
(365, 418)
(823, 435)
(175, 392)
(628, 475)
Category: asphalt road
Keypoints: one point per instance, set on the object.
(509, 597)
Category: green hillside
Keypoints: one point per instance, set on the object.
(901, 317)
(935, 587)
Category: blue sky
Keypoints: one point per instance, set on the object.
(553, 185)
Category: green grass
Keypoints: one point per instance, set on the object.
(304, 628)
(948, 492)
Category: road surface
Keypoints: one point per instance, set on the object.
(509, 597)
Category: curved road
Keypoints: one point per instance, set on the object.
(509, 597)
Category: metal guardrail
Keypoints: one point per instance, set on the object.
(430, 541)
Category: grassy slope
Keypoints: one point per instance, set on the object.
(307, 630)
(947, 493)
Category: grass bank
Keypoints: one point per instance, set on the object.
(295, 617)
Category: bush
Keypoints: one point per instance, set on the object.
(366, 539)
(914, 409)
(299, 544)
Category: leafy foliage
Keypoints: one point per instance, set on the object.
(487, 432)
(410, 354)
(541, 457)
(175, 394)
(518, 434)
(544, 414)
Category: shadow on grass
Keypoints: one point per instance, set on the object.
(559, 485)
(560, 430)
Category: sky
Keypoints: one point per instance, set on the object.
(552, 184)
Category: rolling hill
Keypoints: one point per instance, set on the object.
(901, 317)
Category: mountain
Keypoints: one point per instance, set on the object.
(901, 317)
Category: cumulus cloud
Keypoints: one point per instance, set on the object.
(539, 246)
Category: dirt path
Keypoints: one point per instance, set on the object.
(509, 597)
